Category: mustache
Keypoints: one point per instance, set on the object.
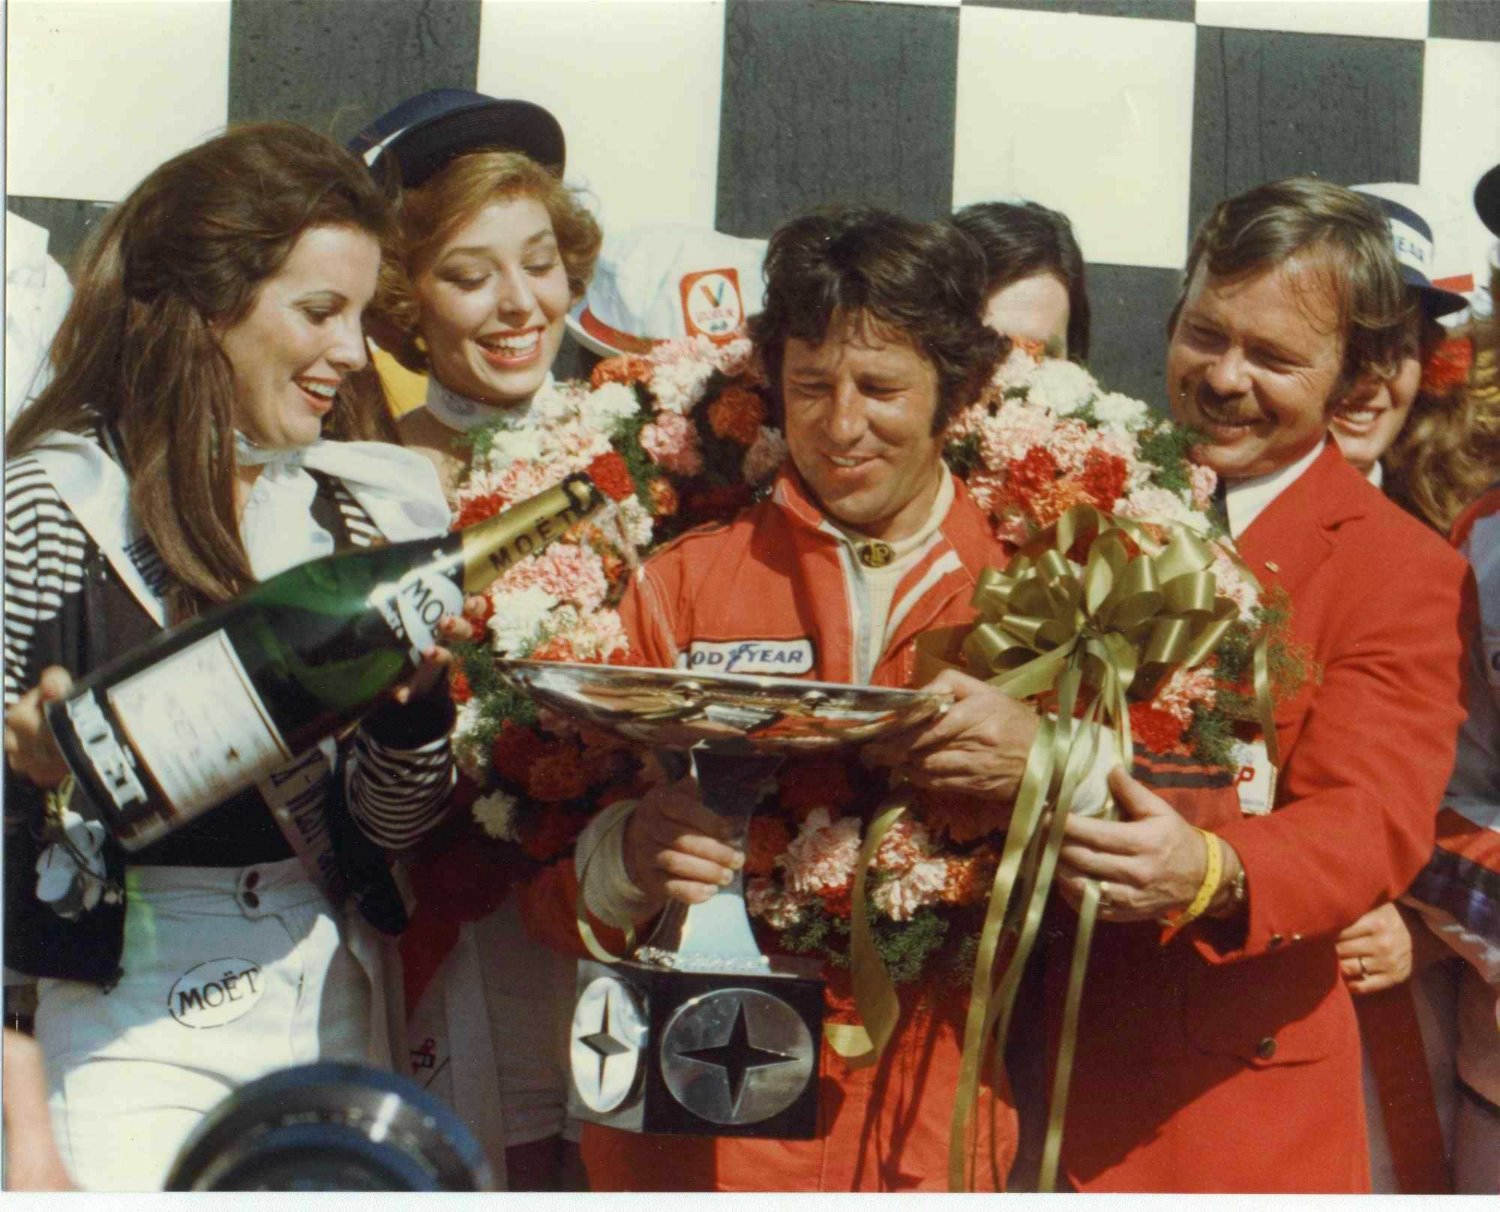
(1218, 409)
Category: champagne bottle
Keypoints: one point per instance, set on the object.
(207, 708)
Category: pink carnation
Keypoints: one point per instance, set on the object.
(734, 358)
(1203, 480)
(773, 906)
(905, 843)
(765, 455)
(920, 884)
(1184, 689)
(672, 440)
(566, 571)
(821, 857)
(1014, 430)
(1234, 585)
(525, 479)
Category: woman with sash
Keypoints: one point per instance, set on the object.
(211, 421)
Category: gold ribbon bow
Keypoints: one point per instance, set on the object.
(1139, 607)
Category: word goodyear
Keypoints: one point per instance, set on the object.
(788, 657)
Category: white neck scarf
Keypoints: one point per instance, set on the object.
(398, 488)
(462, 414)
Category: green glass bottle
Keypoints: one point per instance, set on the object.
(205, 709)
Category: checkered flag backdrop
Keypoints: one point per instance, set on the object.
(1132, 116)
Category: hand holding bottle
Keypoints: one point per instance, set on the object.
(29, 746)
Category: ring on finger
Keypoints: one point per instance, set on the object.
(1104, 901)
(1364, 971)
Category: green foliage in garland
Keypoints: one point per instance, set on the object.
(497, 701)
(1211, 737)
(904, 946)
(1167, 447)
(963, 455)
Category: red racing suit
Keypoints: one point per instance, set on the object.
(777, 591)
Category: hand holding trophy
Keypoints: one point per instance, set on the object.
(698, 1032)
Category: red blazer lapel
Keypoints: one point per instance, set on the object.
(1294, 533)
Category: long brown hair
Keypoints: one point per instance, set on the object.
(1448, 451)
(185, 253)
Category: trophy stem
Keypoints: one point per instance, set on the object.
(716, 936)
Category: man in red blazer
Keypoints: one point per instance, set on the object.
(1228, 1058)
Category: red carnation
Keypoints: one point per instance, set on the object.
(554, 648)
(1154, 729)
(514, 750)
(737, 414)
(552, 834)
(838, 902)
(611, 476)
(815, 783)
(1035, 470)
(479, 509)
(1104, 477)
(459, 688)
(623, 369)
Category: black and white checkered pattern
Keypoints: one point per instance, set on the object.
(1133, 116)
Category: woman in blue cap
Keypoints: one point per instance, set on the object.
(493, 250)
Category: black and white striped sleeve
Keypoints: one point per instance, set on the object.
(400, 771)
(398, 794)
(45, 557)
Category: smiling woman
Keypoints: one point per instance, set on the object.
(188, 446)
(493, 250)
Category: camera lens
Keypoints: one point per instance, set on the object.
(331, 1127)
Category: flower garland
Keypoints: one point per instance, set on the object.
(676, 438)
(1042, 439)
(682, 436)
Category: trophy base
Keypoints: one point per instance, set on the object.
(659, 1050)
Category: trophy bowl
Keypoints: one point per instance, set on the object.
(731, 712)
(699, 1032)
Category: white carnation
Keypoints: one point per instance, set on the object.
(553, 402)
(678, 386)
(519, 617)
(473, 758)
(1161, 505)
(514, 445)
(637, 522)
(1064, 387)
(496, 814)
(609, 407)
(1118, 411)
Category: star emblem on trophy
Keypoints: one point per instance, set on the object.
(698, 1032)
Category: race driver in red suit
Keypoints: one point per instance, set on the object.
(871, 331)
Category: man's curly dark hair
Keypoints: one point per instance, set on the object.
(923, 281)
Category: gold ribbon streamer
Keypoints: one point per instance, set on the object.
(861, 1044)
(1120, 621)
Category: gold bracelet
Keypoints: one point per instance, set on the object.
(1213, 875)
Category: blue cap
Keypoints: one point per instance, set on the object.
(410, 143)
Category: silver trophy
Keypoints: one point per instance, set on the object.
(698, 1031)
